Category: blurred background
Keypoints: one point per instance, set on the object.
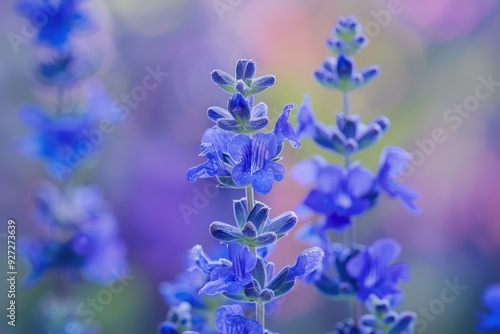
(435, 55)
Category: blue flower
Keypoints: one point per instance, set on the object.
(240, 117)
(55, 138)
(348, 37)
(393, 162)
(347, 327)
(266, 287)
(86, 242)
(245, 82)
(491, 299)
(214, 145)
(65, 70)
(60, 19)
(179, 319)
(230, 320)
(374, 272)
(384, 318)
(339, 74)
(232, 279)
(254, 161)
(347, 137)
(331, 278)
(340, 193)
(254, 228)
(284, 130)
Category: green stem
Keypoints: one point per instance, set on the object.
(260, 311)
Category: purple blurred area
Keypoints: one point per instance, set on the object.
(435, 56)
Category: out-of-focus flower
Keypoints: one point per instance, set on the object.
(491, 299)
(84, 237)
(347, 36)
(61, 19)
(383, 319)
(375, 273)
(63, 141)
(347, 137)
(339, 193)
(340, 74)
(392, 165)
(65, 70)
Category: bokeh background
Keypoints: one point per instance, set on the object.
(432, 54)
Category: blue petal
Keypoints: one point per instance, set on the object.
(305, 119)
(370, 73)
(239, 108)
(284, 130)
(261, 84)
(345, 67)
(245, 69)
(306, 263)
(224, 81)
(224, 232)
(215, 113)
(282, 224)
(260, 110)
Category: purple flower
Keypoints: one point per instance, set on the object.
(393, 162)
(339, 193)
(254, 162)
(55, 138)
(84, 236)
(65, 140)
(245, 82)
(61, 19)
(240, 116)
(347, 137)
(65, 70)
(284, 130)
(339, 74)
(491, 299)
(232, 279)
(230, 320)
(214, 145)
(348, 37)
(374, 271)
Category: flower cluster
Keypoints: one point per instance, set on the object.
(83, 240)
(339, 194)
(240, 155)
(236, 155)
(81, 243)
(68, 133)
(383, 319)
